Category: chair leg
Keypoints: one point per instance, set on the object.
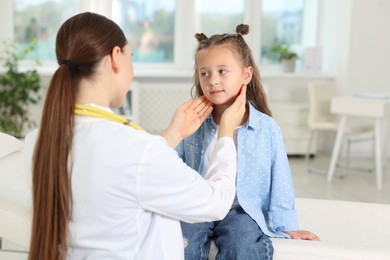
(323, 171)
(348, 156)
(348, 165)
(355, 167)
(336, 148)
(312, 136)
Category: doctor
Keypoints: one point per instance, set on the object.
(102, 187)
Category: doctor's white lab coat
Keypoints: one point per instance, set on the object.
(130, 190)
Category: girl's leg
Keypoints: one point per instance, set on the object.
(197, 238)
(239, 237)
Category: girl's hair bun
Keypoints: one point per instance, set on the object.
(242, 29)
(201, 37)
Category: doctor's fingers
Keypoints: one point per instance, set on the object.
(200, 103)
(205, 112)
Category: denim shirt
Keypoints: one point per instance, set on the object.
(264, 183)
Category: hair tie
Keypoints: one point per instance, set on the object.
(68, 63)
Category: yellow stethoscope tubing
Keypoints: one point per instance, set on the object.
(84, 110)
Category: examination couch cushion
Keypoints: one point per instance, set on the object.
(9, 145)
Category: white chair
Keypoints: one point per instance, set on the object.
(321, 119)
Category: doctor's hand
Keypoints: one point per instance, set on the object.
(233, 115)
(186, 120)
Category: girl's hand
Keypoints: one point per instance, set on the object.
(186, 120)
(303, 235)
(232, 116)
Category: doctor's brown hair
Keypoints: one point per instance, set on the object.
(235, 42)
(81, 43)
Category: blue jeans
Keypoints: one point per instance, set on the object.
(237, 236)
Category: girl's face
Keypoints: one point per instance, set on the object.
(221, 74)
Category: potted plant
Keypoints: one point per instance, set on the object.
(286, 56)
(18, 90)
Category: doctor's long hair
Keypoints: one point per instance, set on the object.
(81, 43)
(235, 42)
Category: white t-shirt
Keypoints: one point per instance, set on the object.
(130, 190)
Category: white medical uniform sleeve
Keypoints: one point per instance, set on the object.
(166, 185)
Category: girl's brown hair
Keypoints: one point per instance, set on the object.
(255, 92)
(81, 43)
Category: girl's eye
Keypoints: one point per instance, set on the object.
(204, 74)
(222, 71)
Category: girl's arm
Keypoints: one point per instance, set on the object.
(281, 176)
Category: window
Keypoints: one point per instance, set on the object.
(38, 21)
(161, 32)
(219, 16)
(149, 26)
(281, 23)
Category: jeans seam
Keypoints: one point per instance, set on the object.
(203, 252)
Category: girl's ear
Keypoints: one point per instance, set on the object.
(115, 59)
(248, 73)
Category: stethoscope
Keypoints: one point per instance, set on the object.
(84, 110)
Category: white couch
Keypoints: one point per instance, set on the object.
(15, 215)
(348, 230)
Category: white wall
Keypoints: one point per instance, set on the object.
(355, 37)
(369, 59)
(6, 31)
(333, 37)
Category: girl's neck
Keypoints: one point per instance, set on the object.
(219, 109)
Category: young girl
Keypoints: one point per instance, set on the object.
(101, 187)
(264, 202)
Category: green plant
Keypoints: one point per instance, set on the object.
(283, 52)
(18, 90)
